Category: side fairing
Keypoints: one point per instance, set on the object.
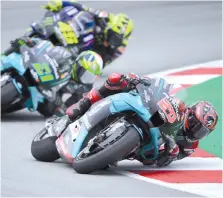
(13, 60)
(101, 110)
(129, 101)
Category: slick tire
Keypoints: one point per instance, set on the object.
(44, 149)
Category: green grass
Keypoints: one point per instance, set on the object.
(210, 91)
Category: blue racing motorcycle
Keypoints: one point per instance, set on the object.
(121, 126)
(31, 77)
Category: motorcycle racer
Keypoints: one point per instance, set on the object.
(111, 31)
(83, 71)
(197, 121)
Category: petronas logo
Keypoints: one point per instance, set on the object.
(48, 21)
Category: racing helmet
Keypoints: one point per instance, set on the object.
(88, 66)
(69, 32)
(118, 30)
(200, 120)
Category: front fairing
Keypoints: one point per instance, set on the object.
(20, 63)
(129, 101)
(12, 61)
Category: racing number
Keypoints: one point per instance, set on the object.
(44, 72)
(168, 110)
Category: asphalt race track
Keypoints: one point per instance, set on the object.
(166, 35)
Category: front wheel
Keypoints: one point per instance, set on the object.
(9, 92)
(116, 147)
(43, 147)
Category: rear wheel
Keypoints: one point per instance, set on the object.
(43, 147)
(110, 150)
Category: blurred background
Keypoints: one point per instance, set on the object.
(166, 34)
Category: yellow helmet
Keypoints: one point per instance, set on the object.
(118, 30)
(88, 66)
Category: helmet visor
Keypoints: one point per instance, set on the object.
(88, 77)
(85, 76)
(196, 129)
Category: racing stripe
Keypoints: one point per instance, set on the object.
(200, 71)
(184, 176)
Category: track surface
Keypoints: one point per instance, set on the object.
(166, 35)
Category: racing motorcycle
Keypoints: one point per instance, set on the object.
(22, 73)
(30, 77)
(113, 129)
(68, 28)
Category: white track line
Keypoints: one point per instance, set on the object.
(189, 79)
(218, 63)
(184, 188)
(190, 163)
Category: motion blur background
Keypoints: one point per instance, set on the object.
(166, 35)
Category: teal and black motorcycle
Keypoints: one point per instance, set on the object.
(121, 126)
(22, 73)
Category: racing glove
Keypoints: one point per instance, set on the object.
(120, 82)
(169, 154)
(17, 43)
(134, 80)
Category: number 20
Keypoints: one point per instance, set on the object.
(168, 110)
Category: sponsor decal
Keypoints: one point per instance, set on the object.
(72, 11)
(54, 65)
(175, 105)
(147, 97)
(157, 82)
(74, 129)
(26, 56)
(162, 115)
(88, 38)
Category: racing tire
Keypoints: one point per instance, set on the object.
(44, 149)
(108, 155)
(8, 94)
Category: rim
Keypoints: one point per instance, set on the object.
(94, 145)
